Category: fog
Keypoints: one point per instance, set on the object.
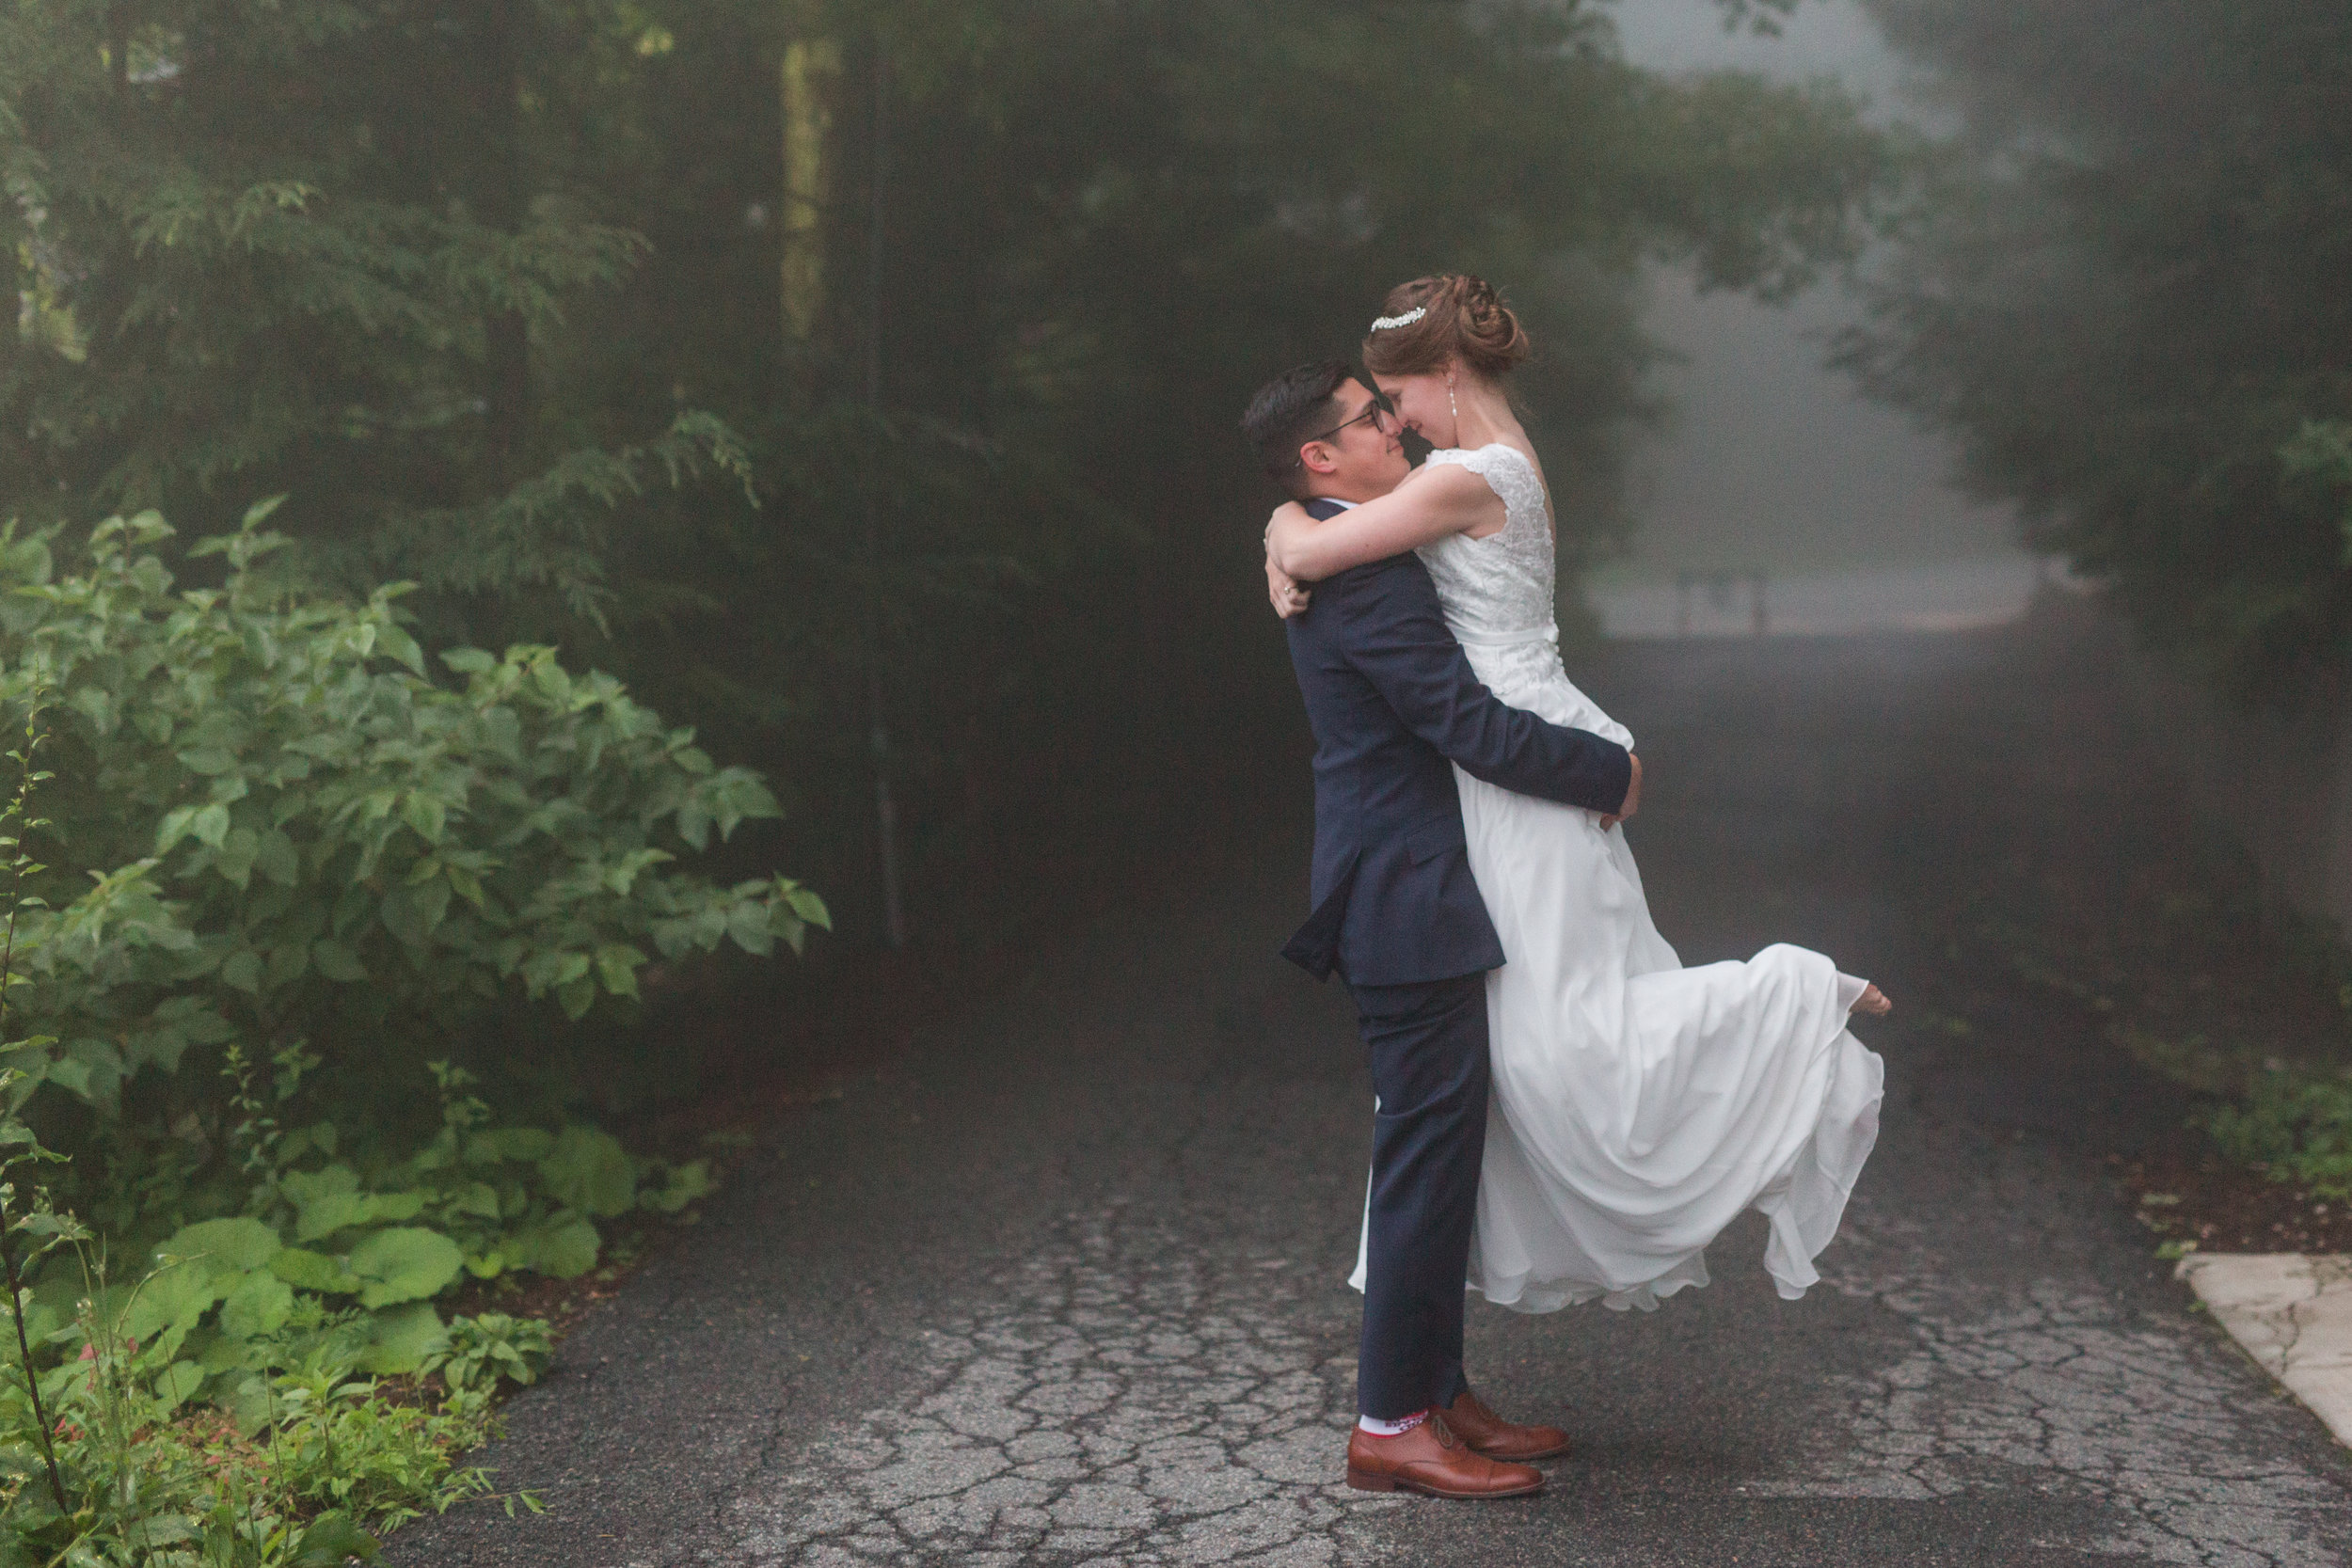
(1770, 460)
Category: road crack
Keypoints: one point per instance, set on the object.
(1122, 1405)
(2052, 1386)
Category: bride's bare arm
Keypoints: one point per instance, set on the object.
(1439, 500)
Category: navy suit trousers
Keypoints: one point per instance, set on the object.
(1427, 1045)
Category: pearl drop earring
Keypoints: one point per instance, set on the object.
(1450, 400)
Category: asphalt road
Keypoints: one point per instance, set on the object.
(1065, 1284)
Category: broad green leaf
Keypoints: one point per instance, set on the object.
(808, 906)
(256, 1307)
(342, 1211)
(330, 1541)
(467, 885)
(175, 1297)
(305, 1188)
(520, 1144)
(616, 966)
(68, 1074)
(275, 859)
(576, 997)
(314, 1271)
(220, 1246)
(747, 923)
(287, 963)
(337, 962)
(553, 681)
(399, 1340)
(209, 824)
(165, 1530)
(687, 1183)
(402, 646)
(243, 971)
(426, 813)
(178, 1382)
(477, 1198)
(246, 1396)
(176, 825)
(563, 1247)
(234, 860)
(589, 1170)
(405, 1263)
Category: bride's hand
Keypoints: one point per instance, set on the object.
(1289, 598)
(1288, 524)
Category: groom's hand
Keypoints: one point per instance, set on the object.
(1633, 797)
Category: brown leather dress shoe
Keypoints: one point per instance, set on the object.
(1490, 1435)
(1431, 1461)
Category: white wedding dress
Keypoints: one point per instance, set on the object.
(1639, 1106)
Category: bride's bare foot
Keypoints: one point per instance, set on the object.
(1874, 1001)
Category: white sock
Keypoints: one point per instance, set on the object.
(1379, 1428)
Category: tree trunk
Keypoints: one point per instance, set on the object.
(508, 336)
(812, 67)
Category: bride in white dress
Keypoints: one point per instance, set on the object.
(1639, 1106)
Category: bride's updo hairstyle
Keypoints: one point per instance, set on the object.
(1461, 318)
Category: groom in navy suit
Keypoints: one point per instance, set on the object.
(1394, 703)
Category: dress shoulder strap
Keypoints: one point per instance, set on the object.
(1510, 474)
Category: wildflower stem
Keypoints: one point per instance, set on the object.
(16, 815)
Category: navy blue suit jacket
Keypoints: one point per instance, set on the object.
(1392, 701)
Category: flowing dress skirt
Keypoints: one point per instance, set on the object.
(1639, 1107)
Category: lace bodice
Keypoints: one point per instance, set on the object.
(1498, 589)
(1497, 595)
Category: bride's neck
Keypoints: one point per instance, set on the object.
(1484, 418)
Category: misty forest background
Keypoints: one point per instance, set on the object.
(853, 383)
(779, 358)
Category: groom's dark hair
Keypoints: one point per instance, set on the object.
(1288, 412)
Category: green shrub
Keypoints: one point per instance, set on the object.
(368, 1248)
(305, 872)
(296, 839)
(150, 1479)
(2299, 1126)
(311, 867)
(100, 1463)
(489, 1349)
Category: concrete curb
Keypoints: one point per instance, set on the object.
(2293, 1314)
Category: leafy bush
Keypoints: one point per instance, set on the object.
(313, 872)
(150, 1479)
(2300, 1127)
(492, 1348)
(298, 840)
(99, 1465)
(378, 1243)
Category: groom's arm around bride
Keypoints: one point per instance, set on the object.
(1393, 702)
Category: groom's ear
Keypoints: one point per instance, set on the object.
(1317, 457)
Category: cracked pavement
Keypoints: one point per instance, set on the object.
(1064, 1284)
(1139, 1405)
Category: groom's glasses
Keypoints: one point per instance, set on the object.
(1374, 411)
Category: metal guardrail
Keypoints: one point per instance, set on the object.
(1719, 586)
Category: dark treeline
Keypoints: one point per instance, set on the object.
(565, 310)
(2121, 286)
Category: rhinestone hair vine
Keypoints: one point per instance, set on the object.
(1407, 319)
